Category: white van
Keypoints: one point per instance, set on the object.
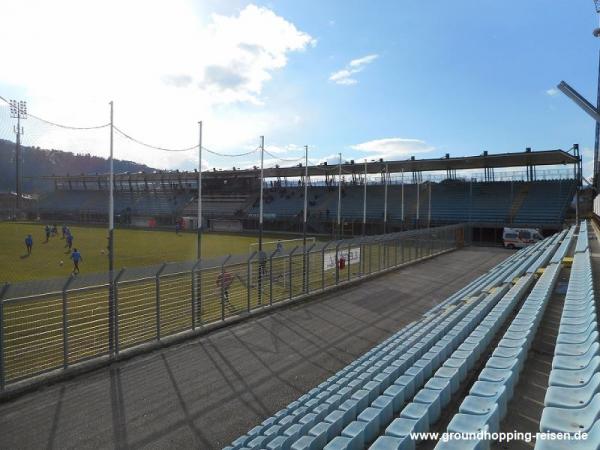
(520, 237)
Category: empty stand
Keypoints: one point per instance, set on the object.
(404, 384)
(519, 203)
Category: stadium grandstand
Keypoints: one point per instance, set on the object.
(427, 192)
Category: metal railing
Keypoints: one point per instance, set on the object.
(53, 324)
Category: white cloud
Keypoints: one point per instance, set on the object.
(552, 92)
(359, 62)
(165, 64)
(393, 148)
(345, 75)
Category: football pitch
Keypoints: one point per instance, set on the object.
(133, 248)
(56, 329)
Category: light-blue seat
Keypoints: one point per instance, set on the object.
(571, 420)
(443, 386)
(392, 443)
(451, 374)
(576, 349)
(591, 443)
(372, 417)
(492, 390)
(430, 398)
(573, 397)
(356, 431)
(339, 443)
(576, 338)
(418, 412)
(482, 406)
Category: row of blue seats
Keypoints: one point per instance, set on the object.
(582, 240)
(436, 391)
(359, 399)
(425, 408)
(545, 257)
(485, 406)
(398, 434)
(572, 402)
(564, 247)
(478, 282)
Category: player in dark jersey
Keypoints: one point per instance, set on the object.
(77, 258)
(29, 243)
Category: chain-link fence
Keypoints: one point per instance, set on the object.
(53, 324)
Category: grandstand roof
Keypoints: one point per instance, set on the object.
(520, 159)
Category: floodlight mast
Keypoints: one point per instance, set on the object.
(596, 180)
(18, 110)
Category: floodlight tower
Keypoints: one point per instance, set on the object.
(18, 110)
(596, 179)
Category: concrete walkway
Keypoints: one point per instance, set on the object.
(206, 392)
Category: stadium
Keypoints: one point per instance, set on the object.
(393, 301)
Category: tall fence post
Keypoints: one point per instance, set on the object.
(271, 276)
(195, 293)
(116, 309)
(65, 322)
(323, 264)
(2, 343)
(249, 280)
(337, 263)
(363, 259)
(291, 271)
(349, 258)
(224, 291)
(157, 286)
(307, 274)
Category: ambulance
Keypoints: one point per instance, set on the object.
(520, 237)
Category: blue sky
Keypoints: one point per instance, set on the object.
(428, 78)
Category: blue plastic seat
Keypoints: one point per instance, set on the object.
(372, 417)
(430, 398)
(386, 405)
(409, 385)
(576, 349)
(307, 443)
(573, 397)
(575, 377)
(571, 420)
(396, 392)
(591, 443)
(482, 406)
(418, 412)
(324, 432)
(494, 391)
(506, 377)
(460, 364)
(443, 386)
(392, 443)
(451, 374)
(356, 431)
(576, 338)
(339, 443)
(565, 362)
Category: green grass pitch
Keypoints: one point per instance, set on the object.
(133, 248)
(34, 328)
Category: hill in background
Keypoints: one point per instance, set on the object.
(40, 162)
